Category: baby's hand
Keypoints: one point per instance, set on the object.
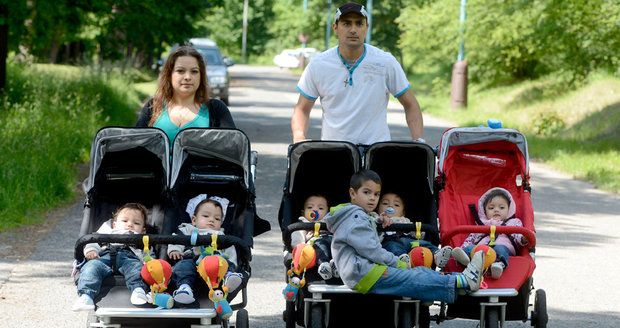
(386, 222)
(175, 255)
(92, 255)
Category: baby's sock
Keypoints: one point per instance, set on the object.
(461, 282)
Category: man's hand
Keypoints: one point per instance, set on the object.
(175, 255)
(301, 118)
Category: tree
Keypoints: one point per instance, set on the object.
(4, 43)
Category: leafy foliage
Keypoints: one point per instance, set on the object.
(47, 129)
(514, 39)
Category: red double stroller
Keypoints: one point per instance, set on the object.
(471, 161)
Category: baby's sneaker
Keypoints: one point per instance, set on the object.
(405, 258)
(497, 268)
(138, 296)
(460, 256)
(442, 256)
(325, 271)
(335, 272)
(183, 294)
(83, 303)
(233, 280)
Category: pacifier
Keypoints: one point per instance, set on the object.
(390, 210)
(314, 216)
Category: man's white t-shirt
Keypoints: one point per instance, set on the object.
(354, 100)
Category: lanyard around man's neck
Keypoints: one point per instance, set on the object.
(351, 67)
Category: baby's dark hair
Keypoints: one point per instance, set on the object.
(493, 194)
(132, 206)
(209, 200)
(361, 176)
(316, 194)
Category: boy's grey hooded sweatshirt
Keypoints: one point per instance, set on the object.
(356, 248)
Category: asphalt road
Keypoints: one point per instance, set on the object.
(578, 229)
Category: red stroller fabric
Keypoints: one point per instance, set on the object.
(470, 170)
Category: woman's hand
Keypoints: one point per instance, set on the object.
(175, 255)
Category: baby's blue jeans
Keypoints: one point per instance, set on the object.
(96, 270)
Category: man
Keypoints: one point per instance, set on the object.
(353, 80)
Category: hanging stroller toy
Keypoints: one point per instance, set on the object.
(156, 273)
(304, 257)
(212, 269)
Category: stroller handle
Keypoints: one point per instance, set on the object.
(467, 229)
(398, 227)
(223, 241)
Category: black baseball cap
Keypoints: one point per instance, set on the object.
(350, 7)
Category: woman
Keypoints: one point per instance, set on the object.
(182, 97)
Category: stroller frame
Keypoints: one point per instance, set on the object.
(165, 171)
(489, 158)
(388, 159)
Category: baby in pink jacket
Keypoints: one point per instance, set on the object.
(495, 207)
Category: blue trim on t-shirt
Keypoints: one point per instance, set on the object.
(402, 92)
(301, 92)
(349, 67)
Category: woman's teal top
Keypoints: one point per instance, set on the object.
(163, 122)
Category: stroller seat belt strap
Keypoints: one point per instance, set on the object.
(492, 236)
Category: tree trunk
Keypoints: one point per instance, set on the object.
(4, 43)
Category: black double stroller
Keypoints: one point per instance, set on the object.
(325, 167)
(138, 165)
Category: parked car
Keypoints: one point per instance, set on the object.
(289, 58)
(217, 67)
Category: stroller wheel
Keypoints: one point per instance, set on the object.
(317, 319)
(539, 315)
(242, 320)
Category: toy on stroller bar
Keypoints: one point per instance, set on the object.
(325, 167)
(135, 165)
(471, 161)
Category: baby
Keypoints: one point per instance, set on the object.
(207, 217)
(128, 219)
(392, 210)
(495, 207)
(314, 210)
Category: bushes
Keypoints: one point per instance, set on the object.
(49, 116)
(515, 39)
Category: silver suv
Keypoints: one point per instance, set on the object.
(217, 67)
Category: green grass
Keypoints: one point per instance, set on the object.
(574, 129)
(49, 115)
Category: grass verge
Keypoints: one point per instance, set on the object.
(49, 116)
(575, 130)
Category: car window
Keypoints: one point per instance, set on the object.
(211, 56)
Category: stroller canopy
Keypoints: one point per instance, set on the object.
(116, 139)
(468, 136)
(230, 145)
(323, 147)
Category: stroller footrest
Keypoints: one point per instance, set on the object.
(331, 289)
(496, 292)
(154, 313)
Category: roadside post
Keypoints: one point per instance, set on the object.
(458, 92)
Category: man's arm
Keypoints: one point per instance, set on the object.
(413, 115)
(301, 118)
